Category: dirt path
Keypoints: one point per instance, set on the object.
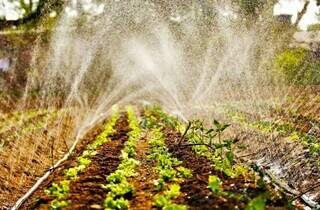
(143, 183)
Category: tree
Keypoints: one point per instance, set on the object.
(302, 12)
(31, 12)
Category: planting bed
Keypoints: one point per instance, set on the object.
(286, 144)
(155, 162)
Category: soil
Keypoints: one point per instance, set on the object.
(86, 191)
(143, 183)
(195, 192)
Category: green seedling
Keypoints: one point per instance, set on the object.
(164, 201)
(184, 172)
(111, 203)
(56, 204)
(258, 203)
(214, 184)
(58, 191)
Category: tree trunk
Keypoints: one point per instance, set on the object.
(302, 13)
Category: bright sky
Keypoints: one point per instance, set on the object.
(9, 10)
(294, 6)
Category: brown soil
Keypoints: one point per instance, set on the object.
(86, 190)
(143, 183)
(194, 190)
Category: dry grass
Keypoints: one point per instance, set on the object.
(26, 159)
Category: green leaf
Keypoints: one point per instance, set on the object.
(173, 206)
(214, 184)
(258, 203)
(230, 157)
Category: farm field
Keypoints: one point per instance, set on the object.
(145, 160)
(150, 105)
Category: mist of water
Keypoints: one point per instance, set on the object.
(143, 52)
(132, 53)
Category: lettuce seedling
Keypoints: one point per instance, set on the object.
(56, 204)
(58, 191)
(184, 172)
(164, 200)
(111, 203)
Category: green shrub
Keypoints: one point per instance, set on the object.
(314, 27)
(295, 66)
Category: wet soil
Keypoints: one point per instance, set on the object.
(195, 192)
(86, 191)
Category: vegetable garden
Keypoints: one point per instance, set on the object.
(154, 161)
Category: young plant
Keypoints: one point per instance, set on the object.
(169, 170)
(60, 191)
(258, 203)
(117, 185)
(214, 184)
(164, 201)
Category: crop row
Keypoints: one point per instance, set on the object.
(59, 191)
(117, 185)
(207, 142)
(18, 133)
(29, 128)
(18, 118)
(285, 129)
(169, 171)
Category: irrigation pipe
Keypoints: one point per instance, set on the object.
(45, 176)
(309, 202)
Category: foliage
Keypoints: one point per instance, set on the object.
(250, 7)
(60, 191)
(118, 203)
(167, 167)
(258, 203)
(56, 204)
(286, 129)
(117, 185)
(154, 117)
(296, 67)
(214, 184)
(169, 170)
(164, 201)
(314, 27)
(221, 153)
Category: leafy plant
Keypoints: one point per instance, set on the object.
(58, 191)
(56, 204)
(258, 203)
(296, 67)
(214, 184)
(184, 172)
(112, 203)
(117, 185)
(164, 201)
